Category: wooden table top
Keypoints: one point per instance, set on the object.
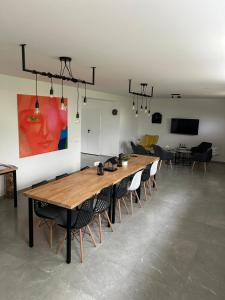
(71, 191)
(4, 169)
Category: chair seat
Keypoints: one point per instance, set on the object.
(49, 211)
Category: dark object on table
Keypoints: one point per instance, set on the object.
(157, 118)
(163, 155)
(202, 153)
(111, 164)
(100, 169)
(61, 176)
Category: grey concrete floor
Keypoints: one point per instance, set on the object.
(172, 248)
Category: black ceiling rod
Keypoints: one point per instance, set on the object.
(57, 76)
(140, 94)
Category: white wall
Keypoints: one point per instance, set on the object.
(210, 112)
(45, 166)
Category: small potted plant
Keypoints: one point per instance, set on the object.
(125, 158)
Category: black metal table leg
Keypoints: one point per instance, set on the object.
(68, 241)
(15, 188)
(113, 208)
(31, 229)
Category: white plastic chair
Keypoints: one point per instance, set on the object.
(153, 171)
(135, 184)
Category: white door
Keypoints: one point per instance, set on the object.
(90, 130)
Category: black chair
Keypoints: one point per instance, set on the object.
(139, 149)
(61, 176)
(120, 193)
(80, 220)
(102, 204)
(145, 179)
(202, 153)
(47, 212)
(163, 155)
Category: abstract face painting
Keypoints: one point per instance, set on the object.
(43, 132)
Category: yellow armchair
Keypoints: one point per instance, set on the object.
(149, 140)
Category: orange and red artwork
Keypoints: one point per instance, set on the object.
(41, 132)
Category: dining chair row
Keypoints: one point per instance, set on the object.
(94, 209)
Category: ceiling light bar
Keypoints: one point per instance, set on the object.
(67, 61)
(143, 89)
(176, 96)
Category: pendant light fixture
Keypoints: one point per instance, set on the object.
(62, 106)
(51, 92)
(136, 114)
(78, 95)
(37, 107)
(85, 98)
(144, 96)
(133, 107)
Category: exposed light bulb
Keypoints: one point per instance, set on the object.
(146, 110)
(136, 113)
(77, 115)
(51, 92)
(37, 108)
(85, 100)
(62, 106)
(133, 105)
(141, 107)
(149, 113)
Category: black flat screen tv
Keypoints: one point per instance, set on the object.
(184, 126)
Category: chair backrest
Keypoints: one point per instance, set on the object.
(61, 176)
(103, 200)
(146, 173)
(121, 189)
(154, 168)
(85, 213)
(157, 150)
(39, 204)
(140, 150)
(133, 146)
(136, 181)
(204, 146)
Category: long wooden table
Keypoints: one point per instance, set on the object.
(69, 192)
(5, 169)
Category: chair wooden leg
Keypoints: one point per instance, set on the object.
(92, 235)
(62, 243)
(119, 210)
(81, 246)
(204, 167)
(139, 201)
(145, 191)
(124, 202)
(160, 164)
(193, 165)
(107, 217)
(156, 187)
(100, 228)
(131, 202)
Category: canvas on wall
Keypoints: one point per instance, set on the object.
(44, 132)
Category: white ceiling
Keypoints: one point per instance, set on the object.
(176, 45)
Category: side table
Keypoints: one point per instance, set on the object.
(7, 169)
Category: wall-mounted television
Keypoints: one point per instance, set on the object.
(184, 126)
